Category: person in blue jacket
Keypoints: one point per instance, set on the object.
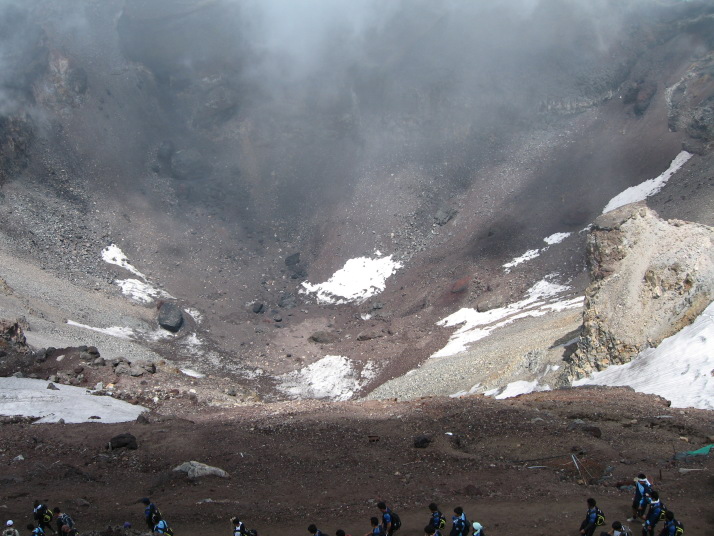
(654, 514)
(672, 527)
(593, 518)
(639, 501)
(460, 525)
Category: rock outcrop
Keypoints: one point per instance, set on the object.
(649, 279)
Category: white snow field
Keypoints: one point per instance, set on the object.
(137, 290)
(680, 369)
(32, 398)
(359, 279)
(645, 189)
(333, 377)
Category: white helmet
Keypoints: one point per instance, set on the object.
(9, 523)
(477, 527)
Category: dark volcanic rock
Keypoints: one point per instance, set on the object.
(123, 441)
(323, 337)
(288, 301)
(258, 308)
(170, 317)
(422, 441)
(292, 260)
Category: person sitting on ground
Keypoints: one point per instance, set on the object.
(36, 531)
(437, 519)
(389, 519)
(478, 529)
(429, 530)
(238, 527)
(460, 526)
(377, 529)
(639, 501)
(63, 520)
(312, 529)
(151, 513)
(593, 518)
(654, 514)
(672, 527)
(10, 529)
(43, 516)
(618, 529)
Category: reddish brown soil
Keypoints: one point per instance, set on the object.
(294, 463)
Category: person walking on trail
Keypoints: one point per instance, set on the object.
(390, 520)
(36, 531)
(672, 527)
(593, 518)
(643, 488)
(377, 529)
(43, 516)
(10, 529)
(238, 527)
(63, 520)
(460, 525)
(478, 529)
(312, 529)
(162, 527)
(618, 529)
(437, 519)
(429, 530)
(151, 513)
(655, 513)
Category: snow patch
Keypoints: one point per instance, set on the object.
(679, 369)
(113, 255)
(650, 187)
(114, 331)
(141, 291)
(528, 255)
(195, 314)
(358, 280)
(192, 373)
(31, 398)
(475, 325)
(333, 377)
(556, 238)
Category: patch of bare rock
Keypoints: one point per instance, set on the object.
(649, 279)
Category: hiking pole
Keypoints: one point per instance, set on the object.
(575, 461)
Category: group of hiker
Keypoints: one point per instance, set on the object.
(390, 523)
(647, 508)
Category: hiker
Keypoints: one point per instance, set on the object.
(10, 529)
(460, 525)
(151, 513)
(341, 532)
(377, 529)
(36, 531)
(162, 527)
(639, 501)
(478, 529)
(672, 527)
(43, 516)
(437, 519)
(618, 529)
(390, 520)
(238, 527)
(429, 530)
(654, 514)
(312, 529)
(593, 518)
(63, 520)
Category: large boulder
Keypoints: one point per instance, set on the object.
(170, 317)
(649, 279)
(195, 469)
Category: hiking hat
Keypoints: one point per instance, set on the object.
(9, 523)
(477, 526)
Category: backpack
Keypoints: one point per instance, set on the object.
(600, 519)
(155, 515)
(662, 512)
(680, 528)
(441, 523)
(396, 522)
(64, 519)
(165, 529)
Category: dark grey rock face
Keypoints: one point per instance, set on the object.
(170, 317)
